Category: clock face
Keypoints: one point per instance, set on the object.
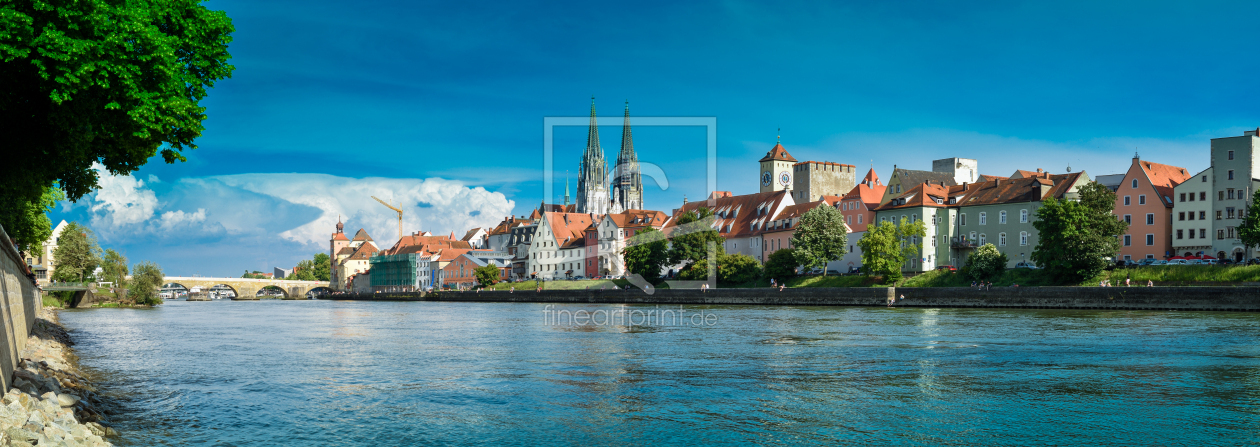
(766, 178)
(785, 178)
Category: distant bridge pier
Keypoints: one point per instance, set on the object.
(247, 288)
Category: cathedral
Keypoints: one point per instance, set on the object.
(593, 194)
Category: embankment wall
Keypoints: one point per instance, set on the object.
(1154, 298)
(20, 302)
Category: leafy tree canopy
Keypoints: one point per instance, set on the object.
(1076, 237)
(114, 268)
(886, 247)
(646, 253)
(97, 81)
(28, 222)
(986, 262)
(77, 255)
(694, 232)
(821, 237)
(1249, 228)
(781, 265)
(146, 283)
(322, 267)
(487, 275)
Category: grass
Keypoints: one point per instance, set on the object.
(1185, 273)
(566, 285)
(942, 278)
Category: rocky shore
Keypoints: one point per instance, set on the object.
(51, 402)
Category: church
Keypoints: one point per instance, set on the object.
(596, 194)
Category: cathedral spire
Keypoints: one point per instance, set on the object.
(566, 188)
(628, 181)
(592, 189)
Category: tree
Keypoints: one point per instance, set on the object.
(781, 265)
(738, 268)
(145, 284)
(322, 267)
(114, 268)
(106, 82)
(77, 255)
(821, 237)
(1249, 228)
(886, 247)
(693, 234)
(304, 271)
(29, 224)
(487, 275)
(986, 262)
(253, 275)
(1076, 237)
(646, 253)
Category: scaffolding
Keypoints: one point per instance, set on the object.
(392, 271)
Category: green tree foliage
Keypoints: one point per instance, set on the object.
(646, 253)
(820, 238)
(253, 275)
(487, 275)
(781, 265)
(1076, 237)
(96, 81)
(694, 232)
(322, 267)
(114, 268)
(738, 269)
(304, 271)
(77, 255)
(886, 247)
(986, 262)
(28, 224)
(146, 282)
(1249, 228)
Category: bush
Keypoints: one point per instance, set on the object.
(487, 275)
(738, 268)
(781, 265)
(985, 263)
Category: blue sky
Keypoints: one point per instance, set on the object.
(439, 106)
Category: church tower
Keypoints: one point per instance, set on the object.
(776, 169)
(627, 181)
(592, 189)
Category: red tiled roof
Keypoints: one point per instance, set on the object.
(736, 215)
(469, 235)
(362, 236)
(1029, 189)
(870, 195)
(922, 194)
(339, 236)
(413, 243)
(871, 177)
(364, 252)
(569, 228)
(639, 218)
(778, 153)
(1164, 177)
(989, 178)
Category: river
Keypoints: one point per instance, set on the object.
(301, 373)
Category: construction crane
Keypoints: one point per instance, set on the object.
(400, 213)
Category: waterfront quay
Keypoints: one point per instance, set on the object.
(1240, 299)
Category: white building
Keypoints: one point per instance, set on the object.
(558, 246)
(1235, 167)
(1192, 225)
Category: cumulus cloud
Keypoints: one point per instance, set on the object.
(122, 200)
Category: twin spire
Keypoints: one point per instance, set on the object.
(593, 195)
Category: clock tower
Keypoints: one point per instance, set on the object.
(776, 170)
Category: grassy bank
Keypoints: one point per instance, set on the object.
(1186, 273)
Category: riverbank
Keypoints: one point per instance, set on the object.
(51, 402)
(1239, 299)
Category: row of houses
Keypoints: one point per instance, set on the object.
(1170, 212)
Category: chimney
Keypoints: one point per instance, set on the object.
(1039, 170)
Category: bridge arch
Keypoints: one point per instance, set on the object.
(248, 288)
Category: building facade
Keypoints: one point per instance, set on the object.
(813, 179)
(1193, 211)
(776, 170)
(1144, 199)
(612, 232)
(1235, 165)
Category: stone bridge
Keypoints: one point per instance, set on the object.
(247, 288)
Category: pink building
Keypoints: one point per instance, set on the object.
(1144, 200)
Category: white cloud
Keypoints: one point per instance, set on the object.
(172, 220)
(121, 200)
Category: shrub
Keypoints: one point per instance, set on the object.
(145, 282)
(738, 268)
(985, 263)
(781, 265)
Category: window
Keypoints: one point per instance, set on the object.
(1229, 193)
(1220, 234)
(1231, 155)
(1220, 195)
(1231, 174)
(982, 238)
(1218, 214)
(1229, 212)
(1001, 239)
(1202, 195)
(1002, 217)
(1023, 238)
(1179, 234)
(1126, 201)
(1204, 179)
(1142, 199)
(1182, 215)
(1150, 219)
(1191, 197)
(1150, 239)
(1128, 218)
(1202, 215)
(1191, 234)
(1192, 215)
(962, 219)
(984, 217)
(1229, 232)
(1128, 257)
(1134, 183)
(859, 218)
(1183, 197)
(1202, 233)
(1128, 240)
(1023, 216)
(848, 220)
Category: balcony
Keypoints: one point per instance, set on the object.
(961, 242)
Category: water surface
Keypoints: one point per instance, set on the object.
(301, 373)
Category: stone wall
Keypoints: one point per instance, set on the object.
(1119, 298)
(20, 303)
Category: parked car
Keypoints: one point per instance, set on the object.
(1147, 261)
(1025, 265)
(947, 267)
(854, 270)
(1253, 261)
(575, 278)
(1126, 263)
(833, 272)
(1177, 262)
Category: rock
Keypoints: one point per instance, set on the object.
(96, 429)
(67, 400)
(21, 435)
(26, 386)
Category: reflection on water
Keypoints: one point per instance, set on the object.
(337, 373)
